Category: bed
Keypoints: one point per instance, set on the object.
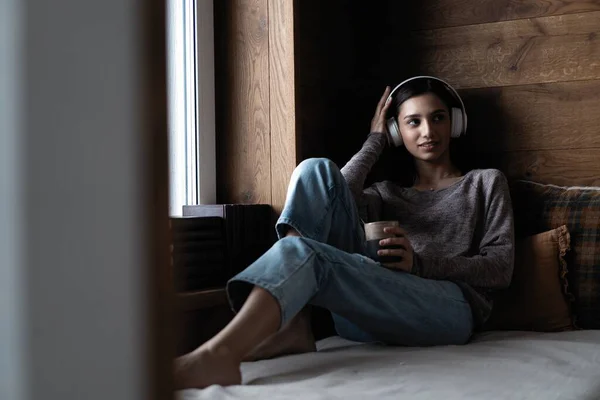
(495, 365)
(536, 352)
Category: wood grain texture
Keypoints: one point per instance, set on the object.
(323, 42)
(520, 52)
(432, 14)
(534, 117)
(282, 99)
(243, 121)
(570, 167)
(337, 45)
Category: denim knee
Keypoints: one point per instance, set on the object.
(316, 164)
(296, 246)
(303, 251)
(321, 167)
(316, 192)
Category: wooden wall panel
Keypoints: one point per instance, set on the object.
(431, 14)
(529, 71)
(534, 117)
(282, 99)
(529, 83)
(317, 35)
(571, 167)
(337, 47)
(242, 98)
(539, 50)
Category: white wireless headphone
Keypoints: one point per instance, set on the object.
(458, 115)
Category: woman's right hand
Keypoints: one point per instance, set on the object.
(378, 123)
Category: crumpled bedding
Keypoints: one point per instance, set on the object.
(495, 365)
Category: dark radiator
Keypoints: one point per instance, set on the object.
(212, 243)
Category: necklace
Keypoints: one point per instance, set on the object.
(433, 188)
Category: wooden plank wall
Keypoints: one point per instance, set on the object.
(342, 68)
(254, 74)
(282, 99)
(299, 79)
(530, 82)
(337, 48)
(529, 72)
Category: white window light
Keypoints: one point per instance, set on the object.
(190, 50)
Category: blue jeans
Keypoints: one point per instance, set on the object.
(327, 267)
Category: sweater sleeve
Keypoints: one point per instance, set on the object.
(492, 268)
(356, 170)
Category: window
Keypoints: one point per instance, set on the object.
(190, 52)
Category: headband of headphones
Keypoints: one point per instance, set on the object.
(450, 89)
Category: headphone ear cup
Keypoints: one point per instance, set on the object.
(394, 132)
(457, 122)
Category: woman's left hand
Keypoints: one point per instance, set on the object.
(379, 121)
(406, 251)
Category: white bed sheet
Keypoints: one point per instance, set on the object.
(496, 365)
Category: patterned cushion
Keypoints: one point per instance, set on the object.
(539, 208)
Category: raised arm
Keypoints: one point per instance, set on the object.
(356, 170)
(492, 268)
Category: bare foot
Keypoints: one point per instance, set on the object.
(204, 367)
(294, 338)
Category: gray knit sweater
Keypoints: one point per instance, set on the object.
(463, 233)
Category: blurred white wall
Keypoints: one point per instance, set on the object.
(72, 282)
(12, 315)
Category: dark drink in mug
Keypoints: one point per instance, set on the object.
(374, 233)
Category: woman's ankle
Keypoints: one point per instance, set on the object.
(295, 337)
(221, 350)
(206, 366)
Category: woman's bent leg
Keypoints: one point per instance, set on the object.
(218, 360)
(391, 306)
(320, 206)
(293, 338)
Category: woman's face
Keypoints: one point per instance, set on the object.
(425, 127)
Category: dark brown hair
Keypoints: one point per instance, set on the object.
(421, 86)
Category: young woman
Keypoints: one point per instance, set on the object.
(455, 242)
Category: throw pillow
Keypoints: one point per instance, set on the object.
(536, 297)
(539, 208)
